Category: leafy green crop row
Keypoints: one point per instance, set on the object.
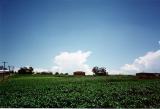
(93, 92)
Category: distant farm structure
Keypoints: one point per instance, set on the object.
(4, 71)
(145, 75)
(79, 73)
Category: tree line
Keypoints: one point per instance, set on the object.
(98, 71)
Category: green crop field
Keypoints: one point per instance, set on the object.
(70, 91)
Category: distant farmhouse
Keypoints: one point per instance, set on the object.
(3, 70)
(79, 73)
(148, 75)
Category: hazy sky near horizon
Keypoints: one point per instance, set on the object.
(114, 32)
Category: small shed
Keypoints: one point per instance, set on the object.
(79, 73)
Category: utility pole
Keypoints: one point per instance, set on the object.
(4, 63)
(13, 69)
(9, 68)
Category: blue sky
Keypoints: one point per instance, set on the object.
(33, 32)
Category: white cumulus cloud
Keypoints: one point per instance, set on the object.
(72, 61)
(147, 63)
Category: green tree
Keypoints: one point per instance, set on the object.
(99, 71)
(25, 70)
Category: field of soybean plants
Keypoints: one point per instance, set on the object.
(79, 92)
